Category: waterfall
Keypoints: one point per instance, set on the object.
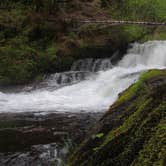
(58, 80)
(92, 85)
(92, 65)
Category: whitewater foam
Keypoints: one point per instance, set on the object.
(94, 94)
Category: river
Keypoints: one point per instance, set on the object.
(90, 85)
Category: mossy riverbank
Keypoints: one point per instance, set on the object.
(133, 131)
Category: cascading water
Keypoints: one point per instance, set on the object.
(96, 92)
(92, 65)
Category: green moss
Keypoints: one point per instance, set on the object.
(99, 135)
(153, 152)
(127, 124)
(133, 130)
(140, 86)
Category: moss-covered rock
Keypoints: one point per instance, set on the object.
(133, 131)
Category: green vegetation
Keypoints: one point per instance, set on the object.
(37, 37)
(99, 135)
(138, 87)
(153, 10)
(153, 152)
(133, 130)
(28, 46)
(139, 10)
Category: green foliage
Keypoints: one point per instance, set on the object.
(37, 5)
(17, 64)
(31, 45)
(154, 10)
(99, 135)
(27, 45)
(51, 50)
(158, 34)
(73, 35)
(134, 32)
(139, 85)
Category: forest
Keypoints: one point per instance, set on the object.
(37, 36)
(82, 82)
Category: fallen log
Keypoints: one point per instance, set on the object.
(122, 22)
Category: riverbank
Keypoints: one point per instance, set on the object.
(41, 138)
(132, 132)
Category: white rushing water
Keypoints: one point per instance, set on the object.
(97, 92)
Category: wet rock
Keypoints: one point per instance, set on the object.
(40, 139)
(38, 155)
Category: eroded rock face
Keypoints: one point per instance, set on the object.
(133, 131)
(37, 139)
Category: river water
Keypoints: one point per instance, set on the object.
(90, 85)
